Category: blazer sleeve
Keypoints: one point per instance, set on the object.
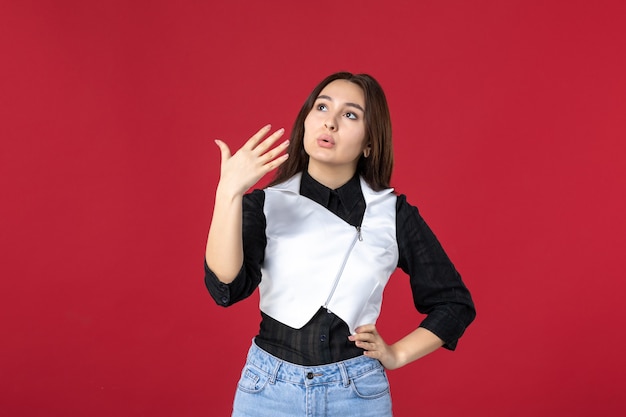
(437, 288)
(254, 242)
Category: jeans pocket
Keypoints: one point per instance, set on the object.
(252, 380)
(371, 385)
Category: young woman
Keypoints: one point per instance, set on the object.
(321, 243)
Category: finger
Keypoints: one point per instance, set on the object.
(369, 346)
(224, 149)
(362, 338)
(256, 138)
(367, 328)
(274, 153)
(373, 354)
(264, 145)
(272, 165)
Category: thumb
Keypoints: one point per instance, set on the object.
(224, 149)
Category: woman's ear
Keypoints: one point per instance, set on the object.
(366, 151)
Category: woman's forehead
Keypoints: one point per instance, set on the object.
(344, 91)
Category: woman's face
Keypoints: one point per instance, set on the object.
(334, 130)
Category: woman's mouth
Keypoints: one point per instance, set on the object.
(326, 141)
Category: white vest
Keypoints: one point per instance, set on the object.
(314, 258)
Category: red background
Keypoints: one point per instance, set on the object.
(509, 134)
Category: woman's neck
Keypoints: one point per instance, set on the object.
(332, 178)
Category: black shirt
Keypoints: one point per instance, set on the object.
(437, 288)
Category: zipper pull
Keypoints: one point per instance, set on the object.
(358, 231)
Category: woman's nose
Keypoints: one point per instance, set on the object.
(330, 124)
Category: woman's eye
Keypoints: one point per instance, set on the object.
(350, 115)
(321, 107)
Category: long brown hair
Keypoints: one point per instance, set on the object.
(377, 167)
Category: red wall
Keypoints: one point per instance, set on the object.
(509, 135)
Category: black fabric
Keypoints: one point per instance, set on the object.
(437, 288)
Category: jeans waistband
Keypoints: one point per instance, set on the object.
(278, 369)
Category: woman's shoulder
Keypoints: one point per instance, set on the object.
(402, 202)
(405, 211)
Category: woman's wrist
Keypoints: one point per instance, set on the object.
(227, 193)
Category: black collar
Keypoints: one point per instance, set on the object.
(349, 193)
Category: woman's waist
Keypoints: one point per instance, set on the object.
(337, 372)
(323, 340)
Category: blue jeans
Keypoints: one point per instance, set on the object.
(271, 387)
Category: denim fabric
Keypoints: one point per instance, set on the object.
(270, 387)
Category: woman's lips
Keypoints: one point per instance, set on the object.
(326, 141)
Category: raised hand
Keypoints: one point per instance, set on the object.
(249, 164)
(239, 172)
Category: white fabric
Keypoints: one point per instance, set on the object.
(306, 247)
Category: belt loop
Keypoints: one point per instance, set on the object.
(344, 374)
(275, 371)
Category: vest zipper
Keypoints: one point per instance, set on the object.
(359, 237)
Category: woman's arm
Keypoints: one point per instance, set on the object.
(438, 292)
(239, 172)
(413, 346)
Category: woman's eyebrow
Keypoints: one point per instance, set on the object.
(355, 105)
